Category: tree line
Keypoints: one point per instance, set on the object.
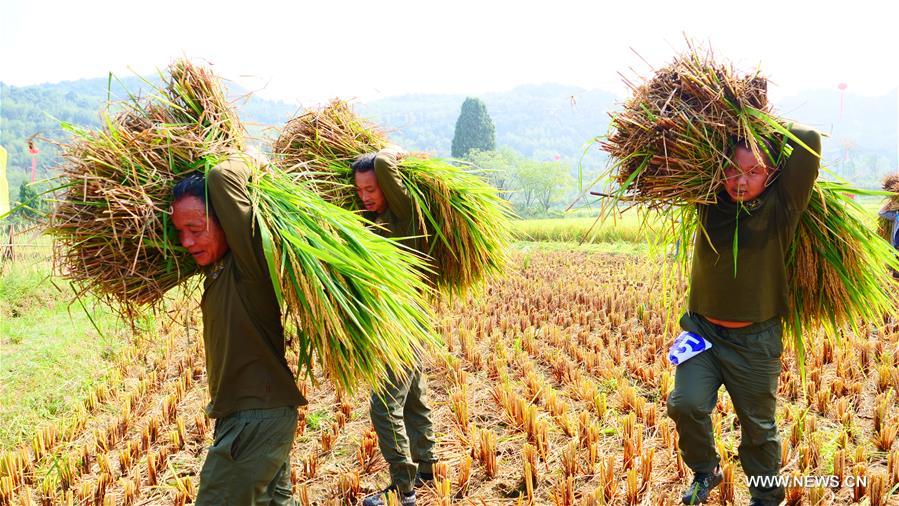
(532, 186)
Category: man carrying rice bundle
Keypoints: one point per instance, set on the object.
(698, 148)
(264, 241)
(892, 219)
(462, 220)
(889, 214)
(400, 415)
(740, 313)
(253, 395)
(443, 210)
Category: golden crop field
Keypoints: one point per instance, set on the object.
(550, 389)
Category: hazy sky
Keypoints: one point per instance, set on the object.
(307, 51)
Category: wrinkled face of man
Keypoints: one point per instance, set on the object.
(748, 177)
(370, 193)
(200, 234)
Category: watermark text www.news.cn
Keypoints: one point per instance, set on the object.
(827, 481)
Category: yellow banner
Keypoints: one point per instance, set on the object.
(4, 185)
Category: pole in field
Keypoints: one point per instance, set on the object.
(34, 151)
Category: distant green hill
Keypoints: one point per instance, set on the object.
(548, 120)
(540, 121)
(861, 144)
(545, 122)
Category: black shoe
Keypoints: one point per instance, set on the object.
(424, 479)
(380, 499)
(703, 483)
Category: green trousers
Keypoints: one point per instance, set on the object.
(402, 420)
(249, 460)
(747, 362)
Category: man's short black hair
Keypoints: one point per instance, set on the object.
(193, 185)
(769, 148)
(364, 163)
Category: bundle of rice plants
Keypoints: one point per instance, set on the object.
(464, 221)
(357, 298)
(320, 145)
(891, 184)
(111, 221)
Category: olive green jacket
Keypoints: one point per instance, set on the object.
(242, 328)
(755, 289)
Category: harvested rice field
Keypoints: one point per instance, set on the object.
(550, 389)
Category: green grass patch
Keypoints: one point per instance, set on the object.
(579, 230)
(318, 419)
(51, 355)
(581, 226)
